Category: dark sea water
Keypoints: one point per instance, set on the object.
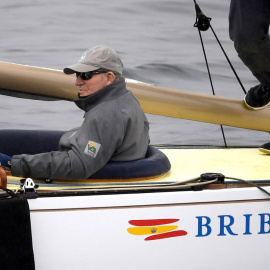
(156, 41)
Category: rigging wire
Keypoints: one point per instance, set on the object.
(238, 79)
(211, 82)
(203, 23)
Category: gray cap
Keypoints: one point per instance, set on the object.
(95, 58)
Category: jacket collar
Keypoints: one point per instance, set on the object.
(110, 91)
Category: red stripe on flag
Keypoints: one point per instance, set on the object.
(152, 222)
(166, 235)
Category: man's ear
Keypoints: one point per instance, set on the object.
(110, 76)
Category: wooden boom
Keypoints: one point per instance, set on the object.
(41, 83)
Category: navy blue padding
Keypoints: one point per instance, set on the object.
(155, 163)
(16, 142)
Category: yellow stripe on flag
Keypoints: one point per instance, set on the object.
(150, 230)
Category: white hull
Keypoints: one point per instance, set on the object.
(90, 232)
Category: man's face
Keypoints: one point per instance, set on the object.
(97, 82)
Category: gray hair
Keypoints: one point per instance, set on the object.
(117, 75)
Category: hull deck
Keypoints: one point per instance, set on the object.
(187, 163)
(79, 232)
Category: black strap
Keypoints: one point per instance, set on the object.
(9, 192)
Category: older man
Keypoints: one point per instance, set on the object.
(114, 127)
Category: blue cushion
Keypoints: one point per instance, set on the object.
(16, 142)
(154, 164)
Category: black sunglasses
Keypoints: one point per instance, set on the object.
(88, 75)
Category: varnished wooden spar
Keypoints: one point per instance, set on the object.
(46, 83)
(16, 80)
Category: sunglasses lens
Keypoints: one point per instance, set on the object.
(84, 75)
(88, 75)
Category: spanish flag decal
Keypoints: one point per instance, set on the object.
(155, 228)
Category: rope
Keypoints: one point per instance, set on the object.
(189, 183)
(170, 186)
(249, 183)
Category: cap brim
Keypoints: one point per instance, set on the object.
(79, 67)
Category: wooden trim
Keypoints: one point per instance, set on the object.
(3, 178)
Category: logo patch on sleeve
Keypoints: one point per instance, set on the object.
(92, 149)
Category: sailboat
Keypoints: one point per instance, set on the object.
(197, 213)
(203, 208)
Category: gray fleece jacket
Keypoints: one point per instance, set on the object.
(114, 128)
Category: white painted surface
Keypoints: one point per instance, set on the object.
(90, 232)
